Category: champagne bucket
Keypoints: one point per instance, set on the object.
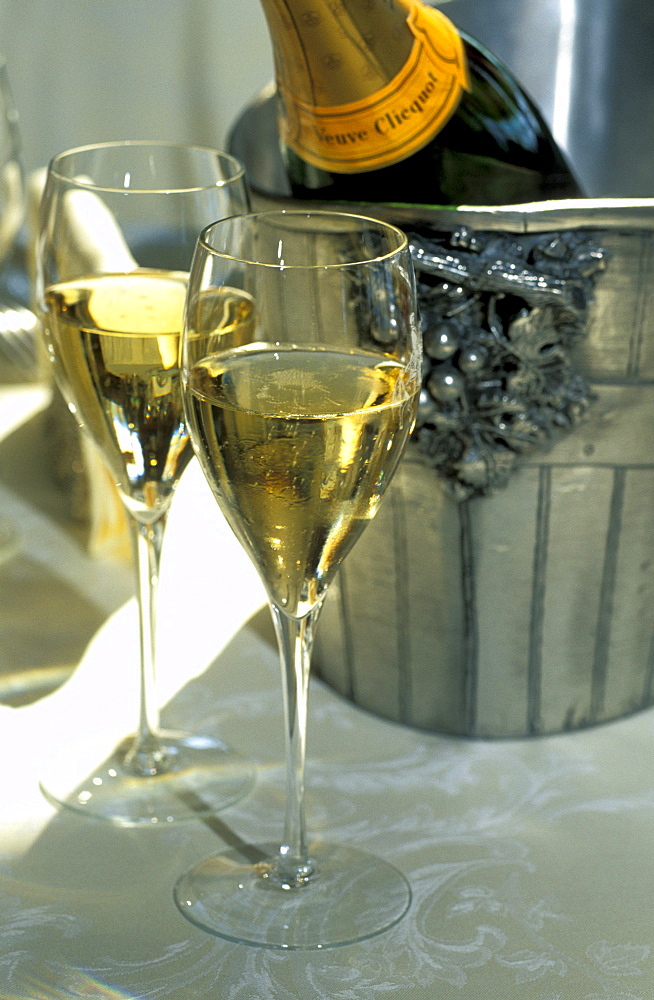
(527, 608)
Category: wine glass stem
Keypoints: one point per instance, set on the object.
(295, 640)
(147, 755)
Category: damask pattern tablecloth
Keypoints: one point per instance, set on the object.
(530, 862)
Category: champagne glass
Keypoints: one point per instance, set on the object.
(118, 225)
(300, 373)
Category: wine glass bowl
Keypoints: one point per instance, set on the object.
(118, 226)
(350, 337)
(300, 372)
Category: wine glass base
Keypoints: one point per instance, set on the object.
(201, 776)
(353, 896)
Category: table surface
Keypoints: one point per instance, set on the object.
(530, 862)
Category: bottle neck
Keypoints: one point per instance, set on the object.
(336, 53)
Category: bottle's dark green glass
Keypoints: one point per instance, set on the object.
(495, 149)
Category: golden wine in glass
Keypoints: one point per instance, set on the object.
(300, 371)
(118, 225)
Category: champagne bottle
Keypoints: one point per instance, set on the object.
(384, 101)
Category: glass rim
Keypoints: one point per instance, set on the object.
(381, 225)
(90, 185)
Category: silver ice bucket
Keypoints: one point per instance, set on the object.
(526, 607)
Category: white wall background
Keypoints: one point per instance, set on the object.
(90, 70)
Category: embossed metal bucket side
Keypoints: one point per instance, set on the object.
(528, 610)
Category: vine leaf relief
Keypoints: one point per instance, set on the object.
(500, 314)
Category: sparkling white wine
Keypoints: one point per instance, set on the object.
(299, 445)
(115, 341)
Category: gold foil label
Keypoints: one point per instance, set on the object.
(395, 121)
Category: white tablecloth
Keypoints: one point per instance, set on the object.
(531, 862)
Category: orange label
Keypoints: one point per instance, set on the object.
(395, 121)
